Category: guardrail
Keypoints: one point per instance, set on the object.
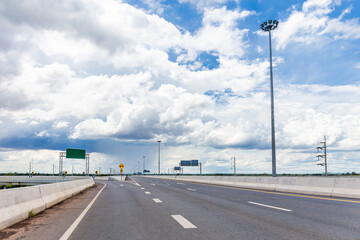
(18, 204)
(326, 186)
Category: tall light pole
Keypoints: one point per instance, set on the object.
(144, 164)
(268, 26)
(159, 157)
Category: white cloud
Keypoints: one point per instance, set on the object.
(61, 124)
(313, 22)
(43, 134)
(204, 4)
(219, 33)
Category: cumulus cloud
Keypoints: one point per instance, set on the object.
(313, 23)
(85, 71)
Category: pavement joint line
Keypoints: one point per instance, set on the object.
(183, 221)
(278, 193)
(269, 206)
(191, 189)
(147, 192)
(68, 232)
(157, 200)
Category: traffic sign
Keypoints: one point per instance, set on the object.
(96, 172)
(75, 153)
(121, 165)
(121, 171)
(65, 172)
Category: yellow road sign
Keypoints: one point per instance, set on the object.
(121, 171)
(121, 165)
(96, 172)
(65, 172)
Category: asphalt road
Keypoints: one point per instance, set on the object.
(165, 209)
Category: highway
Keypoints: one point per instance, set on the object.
(148, 208)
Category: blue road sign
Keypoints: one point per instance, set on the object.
(194, 162)
(185, 163)
(177, 168)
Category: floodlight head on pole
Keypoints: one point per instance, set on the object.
(269, 25)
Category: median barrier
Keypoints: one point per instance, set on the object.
(324, 186)
(118, 178)
(347, 187)
(309, 185)
(20, 203)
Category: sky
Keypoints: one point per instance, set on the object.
(114, 77)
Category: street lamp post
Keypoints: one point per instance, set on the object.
(268, 26)
(144, 164)
(159, 157)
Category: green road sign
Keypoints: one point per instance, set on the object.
(75, 153)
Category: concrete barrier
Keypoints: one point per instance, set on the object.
(324, 186)
(118, 178)
(19, 203)
(347, 187)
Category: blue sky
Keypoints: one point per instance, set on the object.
(113, 77)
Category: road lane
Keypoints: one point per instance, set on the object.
(311, 218)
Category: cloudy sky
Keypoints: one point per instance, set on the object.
(113, 77)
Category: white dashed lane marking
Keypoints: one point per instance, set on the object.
(152, 184)
(147, 192)
(157, 200)
(190, 189)
(264, 205)
(183, 221)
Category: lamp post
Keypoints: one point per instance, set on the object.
(267, 27)
(143, 164)
(159, 157)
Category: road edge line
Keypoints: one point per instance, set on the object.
(70, 230)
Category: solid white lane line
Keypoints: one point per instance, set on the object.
(147, 192)
(190, 189)
(157, 200)
(67, 234)
(183, 221)
(283, 209)
(142, 188)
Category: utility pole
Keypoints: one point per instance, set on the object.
(53, 169)
(200, 169)
(322, 155)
